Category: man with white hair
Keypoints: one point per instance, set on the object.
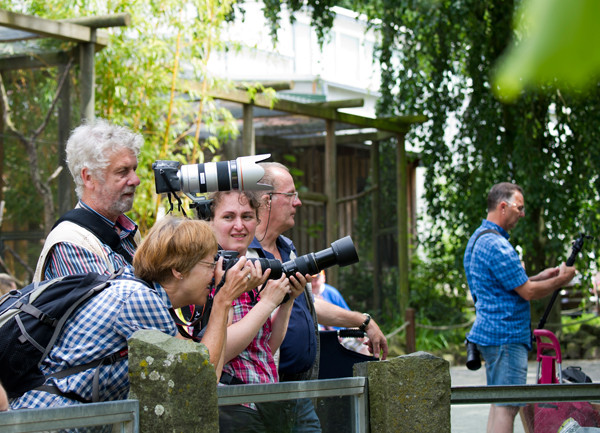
(96, 236)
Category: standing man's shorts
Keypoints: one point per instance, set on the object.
(505, 365)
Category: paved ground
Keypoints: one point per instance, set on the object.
(473, 418)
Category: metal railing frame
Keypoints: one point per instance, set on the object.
(354, 387)
(125, 413)
(525, 393)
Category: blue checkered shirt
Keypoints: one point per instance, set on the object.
(493, 271)
(66, 258)
(97, 329)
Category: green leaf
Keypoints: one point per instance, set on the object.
(558, 46)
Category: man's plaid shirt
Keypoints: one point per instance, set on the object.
(493, 271)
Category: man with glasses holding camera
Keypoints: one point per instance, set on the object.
(501, 291)
(299, 352)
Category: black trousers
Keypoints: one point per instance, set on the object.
(270, 417)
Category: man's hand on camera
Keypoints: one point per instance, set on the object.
(298, 282)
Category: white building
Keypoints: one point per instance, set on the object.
(343, 69)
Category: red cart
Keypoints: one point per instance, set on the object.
(548, 417)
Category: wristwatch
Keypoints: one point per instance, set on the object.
(364, 325)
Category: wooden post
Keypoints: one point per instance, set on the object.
(248, 141)
(65, 183)
(402, 215)
(87, 79)
(411, 331)
(375, 226)
(331, 192)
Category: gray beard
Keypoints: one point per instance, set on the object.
(122, 206)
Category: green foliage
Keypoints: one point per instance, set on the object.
(152, 77)
(438, 58)
(320, 10)
(570, 325)
(556, 45)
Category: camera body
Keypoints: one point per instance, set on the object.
(242, 173)
(473, 356)
(230, 258)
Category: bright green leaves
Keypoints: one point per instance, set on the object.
(556, 44)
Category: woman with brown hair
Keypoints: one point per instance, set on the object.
(174, 266)
(259, 318)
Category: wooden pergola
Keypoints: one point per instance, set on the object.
(88, 39)
(84, 33)
(329, 111)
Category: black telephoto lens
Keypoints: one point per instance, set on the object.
(342, 253)
(473, 356)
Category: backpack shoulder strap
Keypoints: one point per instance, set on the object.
(95, 224)
(484, 232)
(73, 233)
(103, 283)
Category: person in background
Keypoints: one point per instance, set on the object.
(174, 267)
(502, 290)
(328, 293)
(102, 159)
(7, 283)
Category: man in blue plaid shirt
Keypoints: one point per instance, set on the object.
(502, 290)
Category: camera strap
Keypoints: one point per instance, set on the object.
(484, 232)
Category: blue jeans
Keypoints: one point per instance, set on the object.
(505, 365)
(305, 417)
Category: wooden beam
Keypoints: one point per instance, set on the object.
(330, 177)
(377, 304)
(275, 85)
(65, 181)
(340, 103)
(52, 29)
(248, 140)
(319, 140)
(400, 124)
(312, 196)
(33, 61)
(87, 81)
(101, 21)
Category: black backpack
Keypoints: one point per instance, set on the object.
(31, 320)
(574, 374)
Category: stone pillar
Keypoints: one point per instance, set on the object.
(409, 393)
(174, 382)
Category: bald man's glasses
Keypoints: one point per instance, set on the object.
(294, 195)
